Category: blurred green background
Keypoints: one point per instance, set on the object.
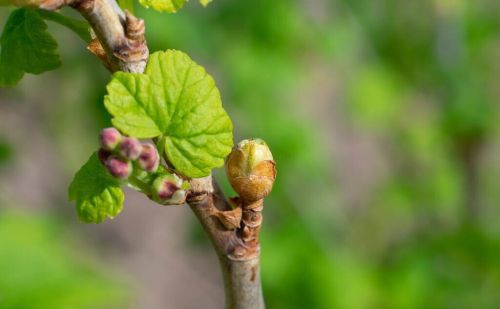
(382, 115)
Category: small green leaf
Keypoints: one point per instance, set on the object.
(205, 2)
(96, 193)
(198, 135)
(169, 6)
(26, 47)
(177, 101)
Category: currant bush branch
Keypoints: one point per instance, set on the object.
(120, 34)
(232, 225)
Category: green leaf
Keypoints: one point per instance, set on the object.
(96, 193)
(169, 6)
(177, 101)
(26, 47)
(129, 101)
(198, 135)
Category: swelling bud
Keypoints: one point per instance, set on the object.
(167, 190)
(130, 148)
(118, 167)
(109, 138)
(149, 159)
(250, 169)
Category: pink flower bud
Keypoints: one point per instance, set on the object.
(149, 158)
(118, 167)
(109, 138)
(167, 190)
(130, 148)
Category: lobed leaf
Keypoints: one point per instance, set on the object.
(98, 196)
(26, 47)
(129, 101)
(177, 101)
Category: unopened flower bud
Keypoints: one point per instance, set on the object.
(149, 159)
(130, 148)
(103, 155)
(110, 138)
(167, 190)
(250, 169)
(118, 167)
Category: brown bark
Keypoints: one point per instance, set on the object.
(238, 255)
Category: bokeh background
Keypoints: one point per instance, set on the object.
(383, 116)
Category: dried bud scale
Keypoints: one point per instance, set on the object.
(109, 138)
(134, 27)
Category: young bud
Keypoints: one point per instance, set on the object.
(251, 170)
(118, 167)
(167, 190)
(130, 148)
(149, 159)
(103, 155)
(110, 138)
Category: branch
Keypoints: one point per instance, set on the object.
(119, 36)
(239, 261)
(233, 226)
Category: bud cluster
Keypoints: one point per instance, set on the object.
(118, 153)
(123, 156)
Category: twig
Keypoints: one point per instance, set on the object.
(239, 261)
(120, 34)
